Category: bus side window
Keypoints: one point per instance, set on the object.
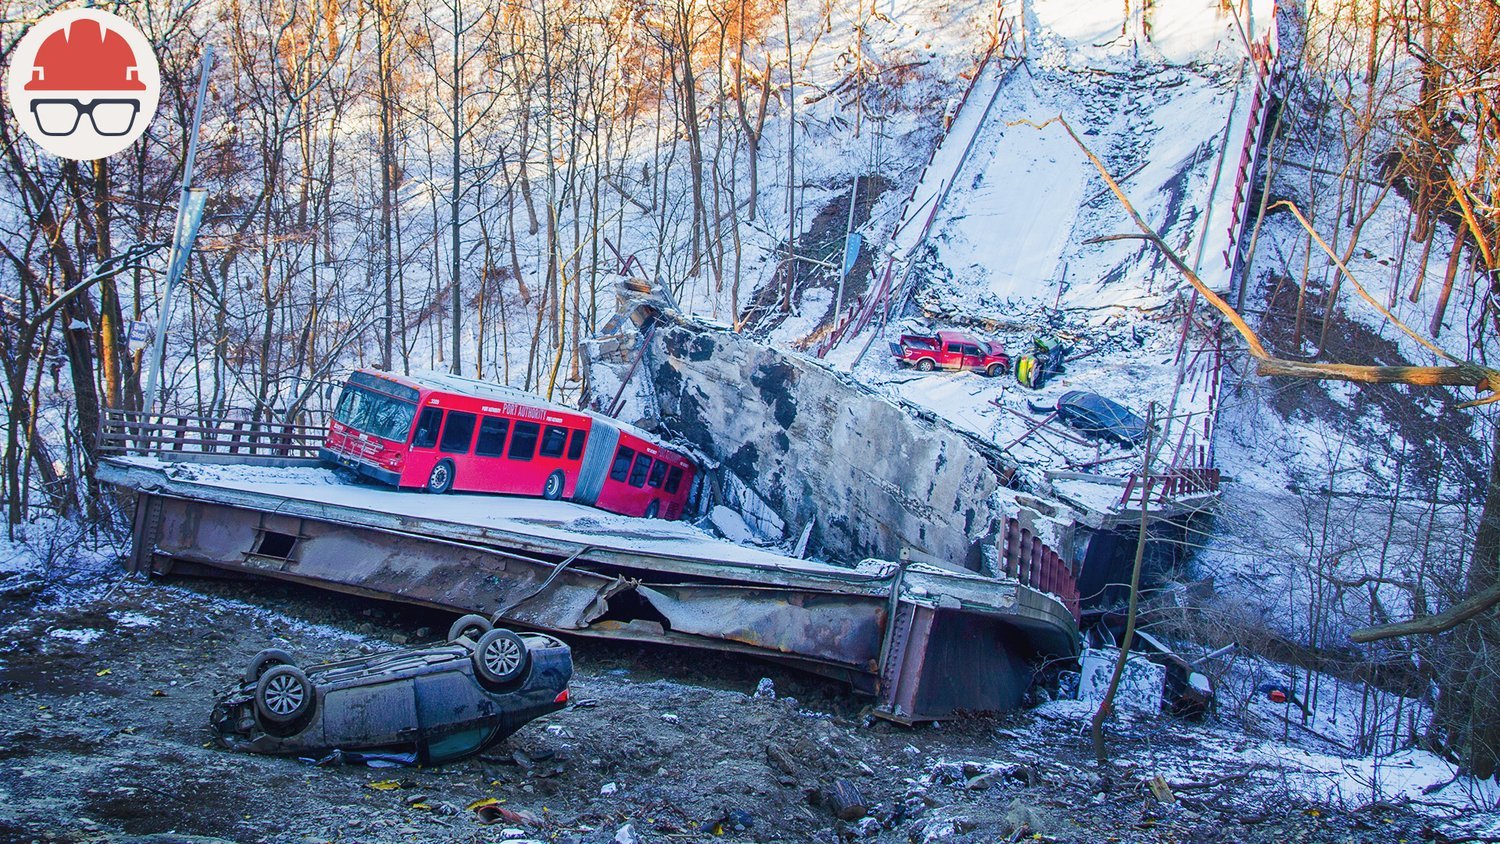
(575, 445)
(523, 441)
(427, 428)
(458, 434)
(674, 480)
(553, 441)
(621, 466)
(658, 471)
(491, 436)
(638, 471)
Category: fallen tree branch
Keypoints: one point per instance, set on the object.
(1430, 624)
(1213, 783)
(1464, 374)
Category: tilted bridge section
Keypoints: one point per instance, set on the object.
(925, 640)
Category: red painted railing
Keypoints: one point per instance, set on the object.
(1190, 469)
(1026, 558)
(1263, 55)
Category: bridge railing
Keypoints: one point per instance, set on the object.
(1025, 557)
(183, 435)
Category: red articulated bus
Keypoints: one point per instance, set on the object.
(442, 432)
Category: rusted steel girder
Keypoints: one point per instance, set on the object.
(960, 641)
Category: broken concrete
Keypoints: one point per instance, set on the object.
(822, 449)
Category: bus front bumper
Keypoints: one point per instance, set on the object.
(360, 467)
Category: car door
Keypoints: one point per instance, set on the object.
(952, 356)
(456, 716)
(370, 715)
(972, 357)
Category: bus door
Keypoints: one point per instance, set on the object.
(423, 455)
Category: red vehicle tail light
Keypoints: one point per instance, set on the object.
(562, 697)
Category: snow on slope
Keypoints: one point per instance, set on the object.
(1010, 249)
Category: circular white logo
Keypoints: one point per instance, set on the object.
(83, 84)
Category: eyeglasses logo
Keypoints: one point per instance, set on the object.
(83, 84)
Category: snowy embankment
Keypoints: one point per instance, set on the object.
(1013, 251)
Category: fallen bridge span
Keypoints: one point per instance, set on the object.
(925, 640)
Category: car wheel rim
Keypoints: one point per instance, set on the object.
(502, 657)
(552, 486)
(284, 695)
(439, 477)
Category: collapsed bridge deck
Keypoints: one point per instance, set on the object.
(925, 640)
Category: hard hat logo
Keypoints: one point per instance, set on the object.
(83, 83)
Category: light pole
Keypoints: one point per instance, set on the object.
(189, 215)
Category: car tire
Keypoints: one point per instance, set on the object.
(553, 489)
(500, 656)
(926, 365)
(441, 478)
(265, 661)
(652, 510)
(994, 370)
(283, 694)
(473, 626)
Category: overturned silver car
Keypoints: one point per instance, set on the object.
(427, 705)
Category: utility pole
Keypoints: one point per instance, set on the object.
(456, 366)
(838, 299)
(184, 232)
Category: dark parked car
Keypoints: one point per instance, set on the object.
(428, 705)
(1098, 416)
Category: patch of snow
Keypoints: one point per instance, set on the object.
(731, 524)
(82, 637)
(1141, 682)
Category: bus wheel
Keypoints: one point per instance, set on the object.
(554, 486)
(441, 479)
(652, 509)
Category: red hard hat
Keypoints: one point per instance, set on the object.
(85, 57)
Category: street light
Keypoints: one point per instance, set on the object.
(189, 216)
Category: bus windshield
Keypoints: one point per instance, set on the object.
(376, 414)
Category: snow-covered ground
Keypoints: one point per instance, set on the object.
(1012, 252)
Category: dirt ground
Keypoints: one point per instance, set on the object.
(106, 686)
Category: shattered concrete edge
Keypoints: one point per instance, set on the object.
(875, 477)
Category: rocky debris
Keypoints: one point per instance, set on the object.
(81, 737)
(1022, 819)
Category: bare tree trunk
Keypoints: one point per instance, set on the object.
(456, 365)
(385, 45)
(791, 164)
(1101, 753)
(1468, 708)
(1454, 257)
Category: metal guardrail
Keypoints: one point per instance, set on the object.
(138, 432)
